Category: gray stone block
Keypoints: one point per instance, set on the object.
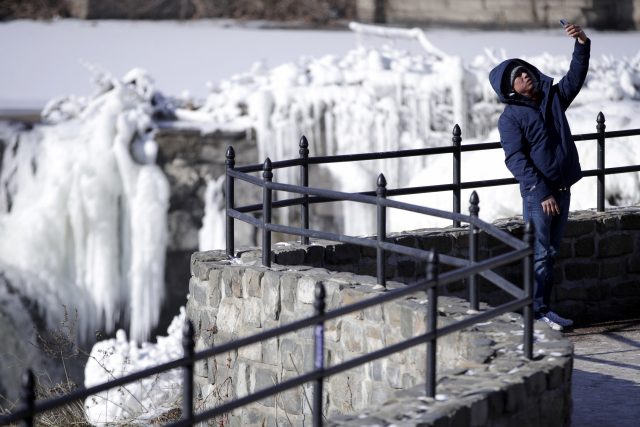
(581, 270)
(305, 292)
(291, 400)
(288, 290)
(271, 296)
(251, 282)
(579, 228)
(198, 291)
(263, 378)
(585, 247)
(290, 256)
(291, 355)
(232, 282)
(251, 316)
(615, 245)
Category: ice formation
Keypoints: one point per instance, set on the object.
(83, 217)
(141, 401)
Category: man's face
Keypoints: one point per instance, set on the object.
(523, 83)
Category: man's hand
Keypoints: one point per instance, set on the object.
(576, 32)
(550, 206)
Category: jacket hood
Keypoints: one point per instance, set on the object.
(498, 75)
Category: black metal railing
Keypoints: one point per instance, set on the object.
(520, 251)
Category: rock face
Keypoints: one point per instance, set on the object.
(21, 347)
(190, 158)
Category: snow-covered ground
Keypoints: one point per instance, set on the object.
(43, 60)
(348, 93)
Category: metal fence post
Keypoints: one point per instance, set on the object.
(28, 397)
(457, 139)
(304, 181)
(319, 305)
(267, 175)
(600, 127)
(432, 312)
(381, 267)
(528, 290)
(188, 346)
(230, 162)
(474, 209)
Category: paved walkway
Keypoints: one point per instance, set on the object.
(606, 374)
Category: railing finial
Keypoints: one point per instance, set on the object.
(304, 145)
(457, 134)
(382, 181)
(474, 204)
(600, 120)
(231, 153)
(267, 167)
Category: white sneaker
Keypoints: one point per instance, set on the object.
(553, 325)
(559, 319)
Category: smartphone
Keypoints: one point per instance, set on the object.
(564, 22)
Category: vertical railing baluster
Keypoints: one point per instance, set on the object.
(457, 139)
(319, 305)
(28, 397)
(528, 290)
(381, 267)
(188, 347)
(304, 181)
(231, 163)
(474, 209)
(267, 175)
(600, 127)
(432, 313)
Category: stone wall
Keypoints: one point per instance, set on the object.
(483, 378)
(601, 14)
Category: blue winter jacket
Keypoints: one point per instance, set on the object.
(539, 149)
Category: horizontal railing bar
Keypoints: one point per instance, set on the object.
(586, 136)
(503, 283)
(621, 133)
(380, 155)
(244, 217)
(488, 228)
(83, 393)
(487, 264)
(612, 171)
(487, 183)
(480, 146)
(417, 152)
(607, 134)
(245, 177)
(499, 234)
(274, 165)
(313, 191)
